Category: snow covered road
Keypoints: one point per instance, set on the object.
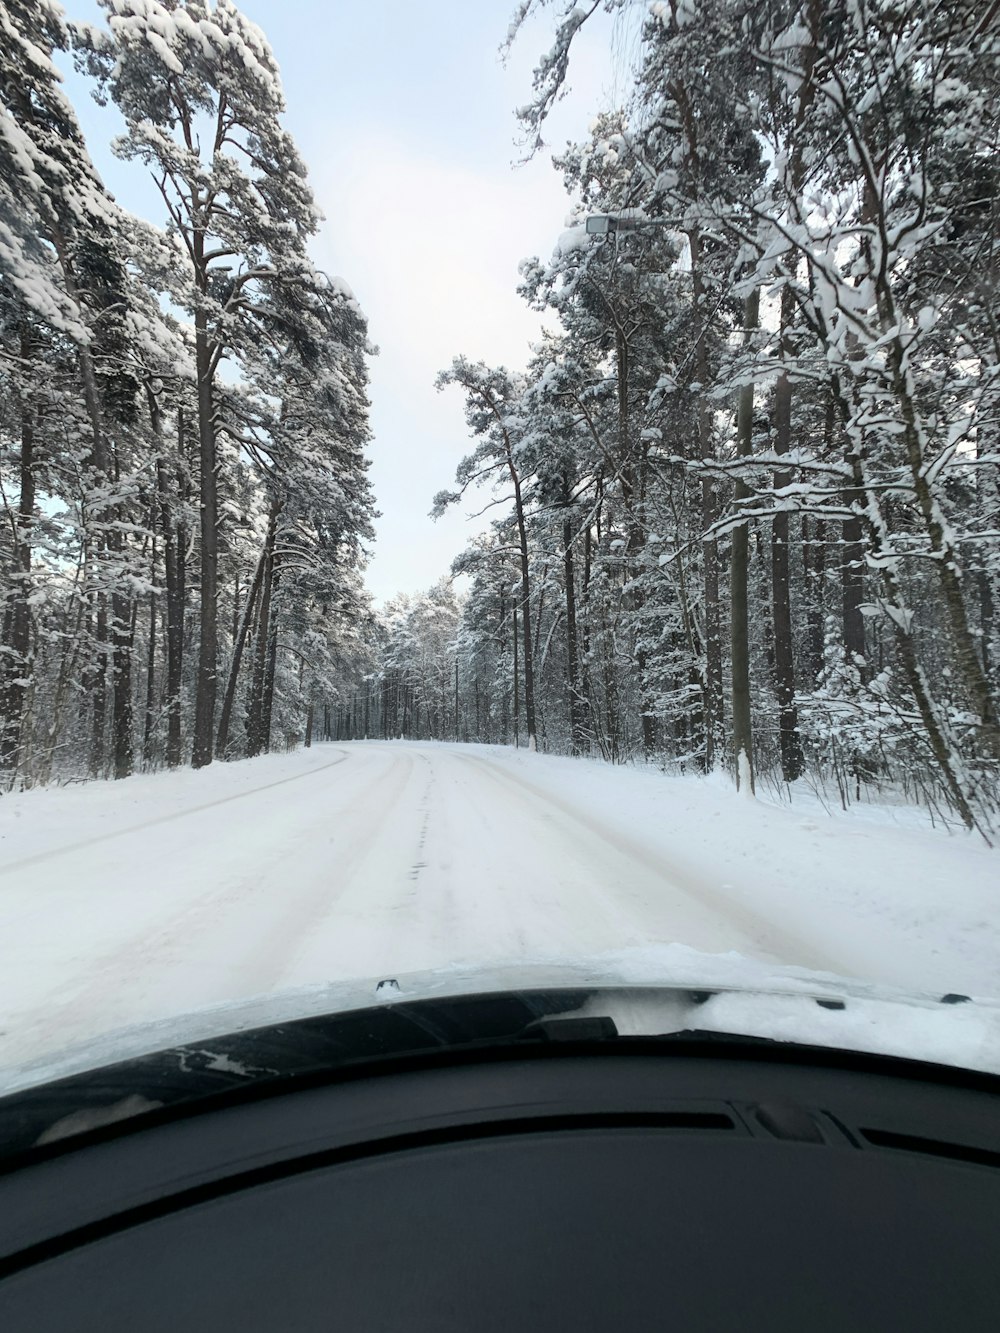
(129, 902)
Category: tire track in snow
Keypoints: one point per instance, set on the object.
(110, 981)
(161, 819)
(778, 943)
(367, 818)
(425, 821)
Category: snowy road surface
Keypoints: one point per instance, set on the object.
(129, 902)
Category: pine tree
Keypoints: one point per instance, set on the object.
(200, 93)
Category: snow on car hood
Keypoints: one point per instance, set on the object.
(647, 991)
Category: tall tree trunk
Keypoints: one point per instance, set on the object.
(572, 648)
(781, 596)
(120, 606)
(208, 648)
(97, 688)
(272, 660)
(121, 684)
(633, 497)
(522, 534)
(112, 541)
(17, 665)
(815, 554)
(584, 633)
(852, 586)
(517, 690)
(712, 682)
(124, 615)
(249, 609)
(173, 567)
(97, 683)
(738, 578)
(150, 712)
(988, 484)
(255, 711)
(814, 570)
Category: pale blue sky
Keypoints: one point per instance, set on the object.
(405, 117)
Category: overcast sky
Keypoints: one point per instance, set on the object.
(405, 117)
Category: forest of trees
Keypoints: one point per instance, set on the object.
(745, 494)
(747, 501)
(183, 409)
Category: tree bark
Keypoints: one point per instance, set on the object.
(97, 684)
(529, 676)
(17, 664)
(738, 578)
(712, 679)
(852, 588)
(517, 690)
(572, 647)
(121, 684)
(97, 688)
(149, 720)
(255, 710)
(173, 566)
(272, 659)
(814, 571)
(120, 606)
(249, 608)
(781, 599)
(208, 648)
(988, 484)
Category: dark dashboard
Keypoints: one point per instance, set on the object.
(564, 1178)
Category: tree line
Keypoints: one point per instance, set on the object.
(183, 408)
(747, 495)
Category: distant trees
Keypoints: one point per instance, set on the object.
(762, 445)
(493, 412)
(179, 499)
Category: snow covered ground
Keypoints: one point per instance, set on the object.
(131, 902)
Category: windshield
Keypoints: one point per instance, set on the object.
(497, 494)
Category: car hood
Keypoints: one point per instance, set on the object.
(645, 993)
